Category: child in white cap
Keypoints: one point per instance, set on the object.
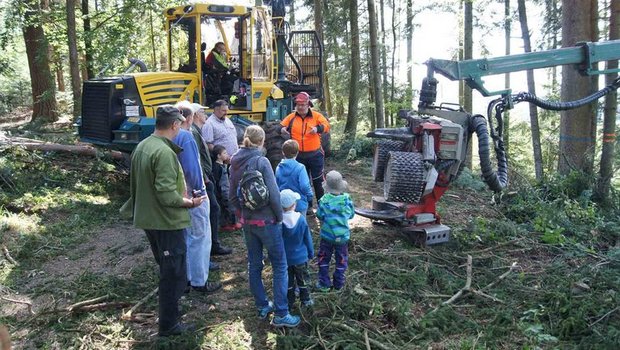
(334, 211)
(298, 246)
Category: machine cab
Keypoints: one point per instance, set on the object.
(245, 71)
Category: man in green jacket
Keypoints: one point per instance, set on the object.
(158, 205)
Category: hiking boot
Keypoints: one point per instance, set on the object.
(208, 288)
(289, 321)
(178, 329)
(213, 266)
(308, 303)
(264, 312)
(221, 250)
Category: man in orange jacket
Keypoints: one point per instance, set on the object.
(306, 126)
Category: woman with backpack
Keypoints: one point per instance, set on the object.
(255, 197)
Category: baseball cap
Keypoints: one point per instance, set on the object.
(197, 106)
(288, 198)
(168, 112)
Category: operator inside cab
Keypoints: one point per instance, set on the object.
(219, 76)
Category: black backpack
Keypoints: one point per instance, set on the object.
(252, 188)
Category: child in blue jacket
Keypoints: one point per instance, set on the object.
(298, 247)
(334, 211)
(293, 175)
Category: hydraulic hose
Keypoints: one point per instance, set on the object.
(563, 106)
(496, 181)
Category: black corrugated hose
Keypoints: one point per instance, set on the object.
(563, 106)
(496, 181)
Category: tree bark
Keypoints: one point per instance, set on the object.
(384, 62)
(609, 121)
(409, 35)
(467, 55)
(88, 44)
(318, 26)
(393, 65)
(577, 126)
(41, 78)
(507, 20)
(350, 127)
(374, 65)
(74, 62)
(531, 87)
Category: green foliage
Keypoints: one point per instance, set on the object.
(468, 180)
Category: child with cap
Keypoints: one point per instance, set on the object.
(293, 175)
(334, 211)
(298, 247)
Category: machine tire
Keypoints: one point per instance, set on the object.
(381, 155)
(273, 142)
(404, 177)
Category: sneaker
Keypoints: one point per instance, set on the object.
(286, 321)
(321, 288)
(221, 250)
(208, 288)
(178, 329)
(213, 266)
(308, 303)
(264, 312)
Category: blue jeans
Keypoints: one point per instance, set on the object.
(198, 240)
(269, 237)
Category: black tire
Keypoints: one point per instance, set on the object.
(381, 155)
(404, 177)
(273, 142)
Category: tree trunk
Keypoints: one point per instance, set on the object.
(577, 126)
(611, 108)
(291, 17)
(350, 127)
(74, 62)
(374, 65)
(507, 20)
(384, 62)
(60, 79)
(318, 25)
(41, 78)
(393, 65)
(531, 88)
(467, 55)
(409, 34)
(88, 43)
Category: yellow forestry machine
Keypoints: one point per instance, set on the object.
(417, 163)
(269, 65)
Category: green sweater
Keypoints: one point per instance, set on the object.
(156, 187)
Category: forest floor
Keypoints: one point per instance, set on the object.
(71, 268)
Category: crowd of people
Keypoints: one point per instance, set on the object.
(185, 187)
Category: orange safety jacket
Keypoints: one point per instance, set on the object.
(299, 128)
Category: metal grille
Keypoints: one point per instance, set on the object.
(304, 67)
(95, 111)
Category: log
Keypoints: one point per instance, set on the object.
(37, 145)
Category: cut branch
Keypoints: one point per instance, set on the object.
(128, 316)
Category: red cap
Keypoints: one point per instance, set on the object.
(302, 97)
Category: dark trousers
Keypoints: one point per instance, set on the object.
(214, 215)
(341, 255)
(314, 162)
(298, 277)
(169, 250)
